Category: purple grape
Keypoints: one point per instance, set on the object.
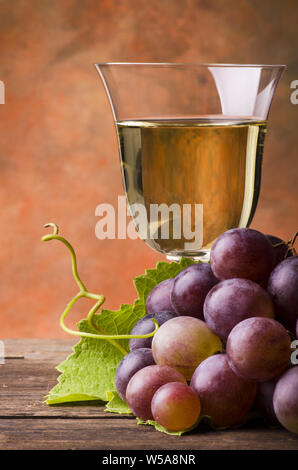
(144, 326)
(183, 343)
(281, 251)
(143, 385)
(129, 365)
(285, 400)
(297, 328)
(224, 396)
(264, 399)
(234, 300)
(283, 288)
(175, 406)
(258, 349)
(244, 253)
(159, 299)
(190, 289)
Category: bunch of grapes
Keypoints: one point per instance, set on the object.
(224, 339)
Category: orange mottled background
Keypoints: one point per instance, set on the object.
(58, 152)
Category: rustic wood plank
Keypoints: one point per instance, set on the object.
(56, 434)
(24, 384)
(38, 349)
(29, 374)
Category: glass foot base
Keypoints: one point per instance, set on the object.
(203, 256)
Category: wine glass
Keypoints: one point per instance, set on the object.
(191, 140)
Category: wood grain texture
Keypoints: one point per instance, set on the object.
(28, 380)
(26, 422)
(120, 433)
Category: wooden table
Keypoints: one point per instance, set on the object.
(28, 423)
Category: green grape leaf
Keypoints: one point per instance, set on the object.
(116, 405)
(89, 372)
(203, 419)
(160, 428)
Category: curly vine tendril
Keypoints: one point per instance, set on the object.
(89, 295)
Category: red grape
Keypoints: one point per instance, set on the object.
(129, 365)
(159, 298)
(285, 399)
(190, 289)
(143, 385)
(234, 300)
(264, 398)
(283, 288)
(184, 342)
(175, 406)
(258, 349)
(224, 396)
(244, 253)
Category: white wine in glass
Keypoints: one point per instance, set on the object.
(190, 136)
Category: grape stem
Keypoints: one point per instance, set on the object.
(89, 295)
(290, 245)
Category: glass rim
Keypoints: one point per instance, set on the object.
(190, 64)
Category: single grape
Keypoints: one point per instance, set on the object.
(190, 289)
(264, 398)
(258, 349)
(281, 249)
(175, 406)
(143, 385)
(234, 300)
(159, 299)
(285, 400)
(144, 326)
(244, 253)
(183, 343)
(129, 365)
(225, 397)
(283, 288)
